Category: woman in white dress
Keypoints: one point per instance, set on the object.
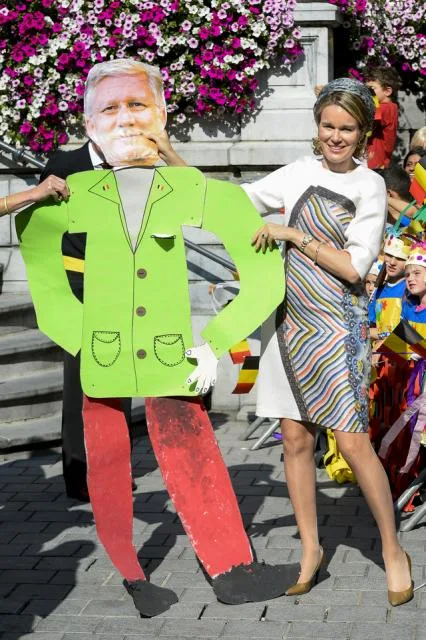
(315, 358)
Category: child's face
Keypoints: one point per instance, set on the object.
(394, 267)
(415, 276)
(412, 160)
(370, 283)
(383, 93)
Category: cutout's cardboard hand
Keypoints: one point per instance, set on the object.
(205, 373)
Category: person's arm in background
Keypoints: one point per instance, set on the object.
(50, 187)
(396, 206)
(374, 334)
(390, 126)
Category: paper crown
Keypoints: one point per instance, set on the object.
(398, 246)
(417, 255)
(376, 268)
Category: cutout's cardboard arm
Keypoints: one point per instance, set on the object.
(40, 230)
(230, 215)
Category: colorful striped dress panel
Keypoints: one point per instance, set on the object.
(323, 327)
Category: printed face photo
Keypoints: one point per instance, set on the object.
(122, 114)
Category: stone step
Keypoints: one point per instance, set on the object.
(32, 395)
(21, 351)
(26, 433)
(45, 429)
(16, 312)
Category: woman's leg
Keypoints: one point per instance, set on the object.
(299, 468)
(357, 450)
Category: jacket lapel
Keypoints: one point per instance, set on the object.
(160, 189)
(186, 183)
(107, 189)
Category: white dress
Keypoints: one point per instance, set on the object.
(315, 358)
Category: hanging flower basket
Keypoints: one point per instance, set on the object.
(209, 52)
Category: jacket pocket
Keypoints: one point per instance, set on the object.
(106, 347)
(169, 349)
(164, 240)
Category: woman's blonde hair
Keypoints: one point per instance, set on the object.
(419, 139)
(356, 107)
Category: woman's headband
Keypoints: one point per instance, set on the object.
(349, 85)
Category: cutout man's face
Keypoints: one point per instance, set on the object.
(123, 114)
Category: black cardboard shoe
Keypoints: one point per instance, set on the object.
(254, 582)
(149, 599)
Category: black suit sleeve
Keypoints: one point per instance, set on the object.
(64, 163)
(55, 167)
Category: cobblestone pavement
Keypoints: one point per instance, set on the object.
(56, 583)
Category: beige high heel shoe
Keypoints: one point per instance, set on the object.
(397, 598)
(299, 588)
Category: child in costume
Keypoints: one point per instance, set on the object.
(402, 453)
(385, 83)
(370, 283)
(388, 297)
(385, 314)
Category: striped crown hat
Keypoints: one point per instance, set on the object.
(398, 246)
(417, 254)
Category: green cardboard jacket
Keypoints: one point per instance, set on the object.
(135, 324)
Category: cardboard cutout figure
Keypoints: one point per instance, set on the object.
(134, 329)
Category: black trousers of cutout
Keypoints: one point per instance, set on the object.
(74, 463)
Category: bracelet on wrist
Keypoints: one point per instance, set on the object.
(317, 250)
(5, 205)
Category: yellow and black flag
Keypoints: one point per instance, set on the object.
(418, 189)
(418, 184)
(248, 374)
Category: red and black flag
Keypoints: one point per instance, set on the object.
(240, 351)
(403, 342)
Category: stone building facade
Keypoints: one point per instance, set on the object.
(280, 130)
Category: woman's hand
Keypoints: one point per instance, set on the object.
(50, 187)
(165, 149)
(269, 233)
